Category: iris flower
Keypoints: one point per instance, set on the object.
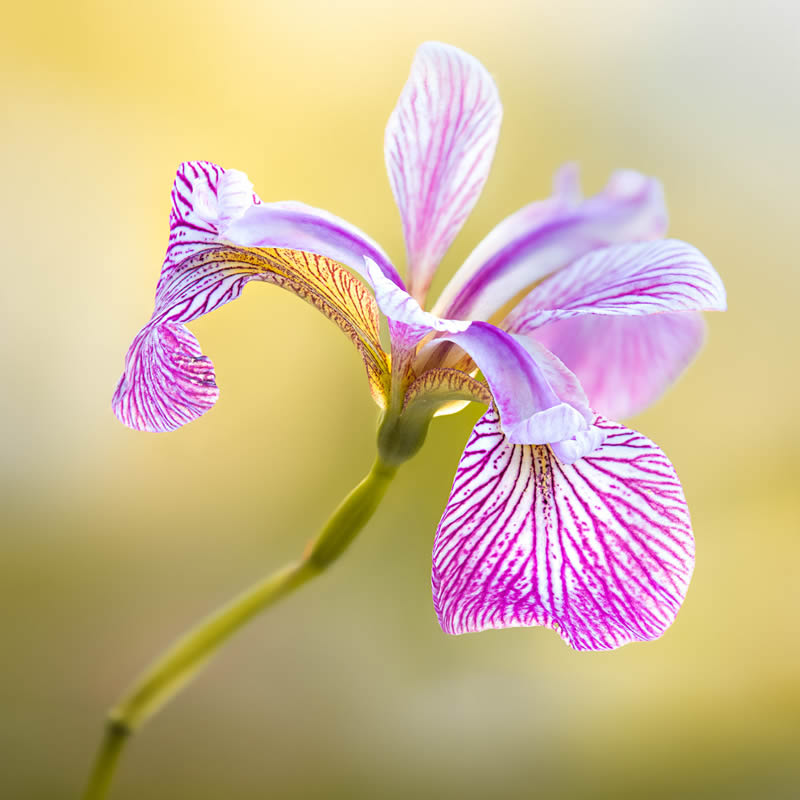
(570, 313)
(557, 515)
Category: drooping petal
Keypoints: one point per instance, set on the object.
(168, 382)
(546, 236)
(539, 399)
(626, 279)
(625, 363)
(439, 145)
(600, 551)
(296, 226)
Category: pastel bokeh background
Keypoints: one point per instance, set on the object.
(113, 542)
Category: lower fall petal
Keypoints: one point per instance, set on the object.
(600, 551)
(167, 380)
(165, 351)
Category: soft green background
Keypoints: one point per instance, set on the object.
(114, 541)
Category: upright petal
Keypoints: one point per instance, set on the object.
(625, 363)
(546, 236)
(296, 226)
(168, 381)
(600, 551)
(439, 145)
(626, 279)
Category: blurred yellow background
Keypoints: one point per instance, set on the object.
(114, 541)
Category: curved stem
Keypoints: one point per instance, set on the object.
(181, 663)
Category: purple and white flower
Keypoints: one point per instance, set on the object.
(557, 516)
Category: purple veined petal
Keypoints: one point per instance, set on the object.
(544, 237)
(626, 279)
(540, 401)
(600, 551)
(168, 382)
(439, 145)
(296, 226)
(206, 200)
(625, 363)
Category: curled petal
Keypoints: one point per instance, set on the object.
(635, 279)
(168, 382)
(600, 551)
(540, 401)
(546, 236)
(206, 201)
(625, 363)
(296, 226)
(439, 145)
(581, 444)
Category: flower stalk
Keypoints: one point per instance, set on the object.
(183, 661)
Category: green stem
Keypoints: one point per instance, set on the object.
(181, 663)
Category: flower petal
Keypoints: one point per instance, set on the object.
(540, 401)
(625, 363)
(168, 382)
(439, 389)
(600, 551)
(296, 226)
(635, 279)
(206, 201)
(408, 322)
(439, 145)
(545, 236)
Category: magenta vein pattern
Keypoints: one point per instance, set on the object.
(600, 551)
